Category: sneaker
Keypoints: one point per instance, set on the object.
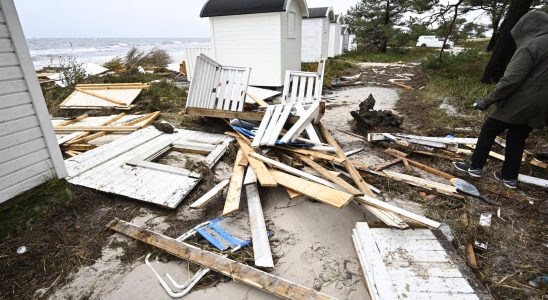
(511, 184)
(467, 168)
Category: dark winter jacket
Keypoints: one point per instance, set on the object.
(522, 93)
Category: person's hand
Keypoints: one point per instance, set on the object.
(481, 105)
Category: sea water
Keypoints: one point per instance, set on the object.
(50, 51)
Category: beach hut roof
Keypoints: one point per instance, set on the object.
(321, 12)
(338, 19)
(217, 8)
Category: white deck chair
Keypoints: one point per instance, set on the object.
(218, 87)
(301, 95)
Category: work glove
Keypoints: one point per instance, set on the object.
(481, 105)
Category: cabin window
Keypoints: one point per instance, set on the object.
(291, 23)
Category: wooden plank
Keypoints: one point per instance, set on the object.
(109, 99)
(15, 99)
(17, 137)
(379, 283)
(210, 195)
(259, 234)
(329, 175)
(263, 126)
(388, 218)
(223, 114)
(273, 130)
(13, 86)
(79, 147)
(232, 203)
(10, 73)
(23, 161)
(360, 183)
(74, 120)
(533, 180)
(125, 129)
(16, 112)
(421, 182)
(389, 207)
(233, 269)
(292, 194)
(311, 189)
(304, 121)
(257, 100)
(264, 177)
(296, 172)
(314, 154)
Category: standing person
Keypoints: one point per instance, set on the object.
(521, 97)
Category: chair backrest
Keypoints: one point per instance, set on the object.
(304, 87)
(217, 87)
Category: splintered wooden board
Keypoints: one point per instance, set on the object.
(311, 189)
(78, 100)
(63, 137)
(418, 265)
(106, 168)
(236, 271)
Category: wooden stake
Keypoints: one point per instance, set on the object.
(233, 269)
(471, 256)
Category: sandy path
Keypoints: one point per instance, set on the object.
(313, 240)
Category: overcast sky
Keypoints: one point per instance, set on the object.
(124, 18)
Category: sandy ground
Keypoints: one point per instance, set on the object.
(313, 240)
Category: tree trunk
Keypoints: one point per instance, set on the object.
(450, 30)
(384, 45)
(492, 41)
(505, 46)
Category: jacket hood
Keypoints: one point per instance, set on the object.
(532, 24)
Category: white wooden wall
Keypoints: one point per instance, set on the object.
(315, 41)
(29, 154)
(335, 43)
(291, 46)
(191, 53)
(252, 40)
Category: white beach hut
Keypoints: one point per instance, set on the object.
(264, 35)
(335, 36)
(316, 27)
(348, 38)
(29, 153)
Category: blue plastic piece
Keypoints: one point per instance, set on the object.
(233, 241)
(211, 239)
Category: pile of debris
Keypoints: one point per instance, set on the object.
(367, 117)
(283, 145)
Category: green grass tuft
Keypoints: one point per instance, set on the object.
(20, 212)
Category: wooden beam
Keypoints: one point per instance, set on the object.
(82, 138)
(314, 154)
(79, 147)
(73, 120)
(387, 164)
(225, 114)
(264, 177)
(257, 100)
(311, 189)
(109, 99)
(210, 195)
(400, 211)
(388, 218)
(126, 129)
(293, 194)
(89, 137)
(230, 268)
(291, 170)
(259, 234)
(376, 275)
(358, 180)
(232, 203)
(327, 174)
(418, 165)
